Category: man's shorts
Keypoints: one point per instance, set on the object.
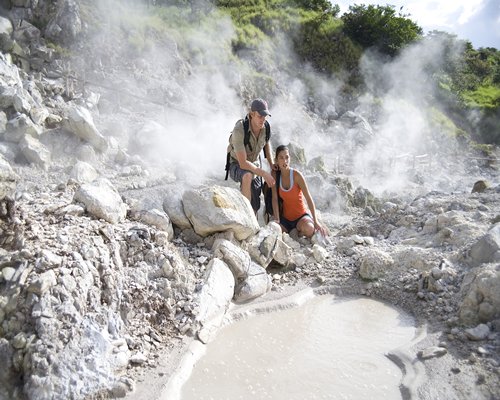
(236, 174)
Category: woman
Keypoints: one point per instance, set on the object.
(292, 190)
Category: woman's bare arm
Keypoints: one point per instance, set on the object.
(310, 202)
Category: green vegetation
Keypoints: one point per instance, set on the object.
(312, 25)
(60, 51)
(381, 28)
(485, 97)
(444, 124)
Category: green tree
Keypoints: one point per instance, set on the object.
(380, 27)
(324, 6)
(320, 42)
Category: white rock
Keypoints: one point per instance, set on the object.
(480, 332)
(217, 209)
(102, 200)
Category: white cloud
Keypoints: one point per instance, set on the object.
(446, 12)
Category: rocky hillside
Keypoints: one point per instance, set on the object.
(112, 252)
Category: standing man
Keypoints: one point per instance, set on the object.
(250, 135)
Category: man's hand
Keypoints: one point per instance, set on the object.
(269, 179)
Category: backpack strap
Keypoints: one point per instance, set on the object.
(268, 136)
(278, 183)
(228, 163)
(246, 132)
(268, 130)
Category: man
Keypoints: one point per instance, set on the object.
(245, 166)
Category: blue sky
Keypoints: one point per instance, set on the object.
(475, 20)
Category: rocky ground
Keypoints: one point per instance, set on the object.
(452, 362)
(125, 295)
(104, 279)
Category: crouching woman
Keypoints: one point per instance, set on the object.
(291, 193)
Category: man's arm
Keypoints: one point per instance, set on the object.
(269, 155)
(241, 156)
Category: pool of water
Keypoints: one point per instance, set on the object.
(326, 348)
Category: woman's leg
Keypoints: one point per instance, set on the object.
(305, 226)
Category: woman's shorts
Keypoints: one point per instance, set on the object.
(290, 225)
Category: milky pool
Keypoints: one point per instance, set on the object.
(325, 348)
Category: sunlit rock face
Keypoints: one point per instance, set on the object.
(215, 209)
(102, 200)
(481, 301)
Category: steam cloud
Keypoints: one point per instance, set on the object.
(183, 112)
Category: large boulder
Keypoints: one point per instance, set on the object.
(257, 283)
(263, 246)
(234, 256)
(79, 121)
(212, 209)
(158, 219)
(214, 298)
(251, 279)
(172, 205)
(486, 249)
(481, 291)
(102, 200)
(35, 152)
(375, 264)
(83, 172)
(66, 25)
(19, 127)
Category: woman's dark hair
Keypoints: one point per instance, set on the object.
(280, 148)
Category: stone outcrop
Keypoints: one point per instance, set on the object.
(80, 122)
(481, 301)
(217, 208)
(375, 264)
(102, 200)
(486, 249)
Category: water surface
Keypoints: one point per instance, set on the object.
(327, 348)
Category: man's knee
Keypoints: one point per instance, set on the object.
(246, 179)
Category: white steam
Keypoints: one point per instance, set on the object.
(406, 143)
(190, 90)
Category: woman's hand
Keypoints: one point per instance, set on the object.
(321, 229)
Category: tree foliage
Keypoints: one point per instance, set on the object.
(322, 6)
(321, 42)
(380, 27)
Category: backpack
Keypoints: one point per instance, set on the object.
(268, 198)
(246, 141)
